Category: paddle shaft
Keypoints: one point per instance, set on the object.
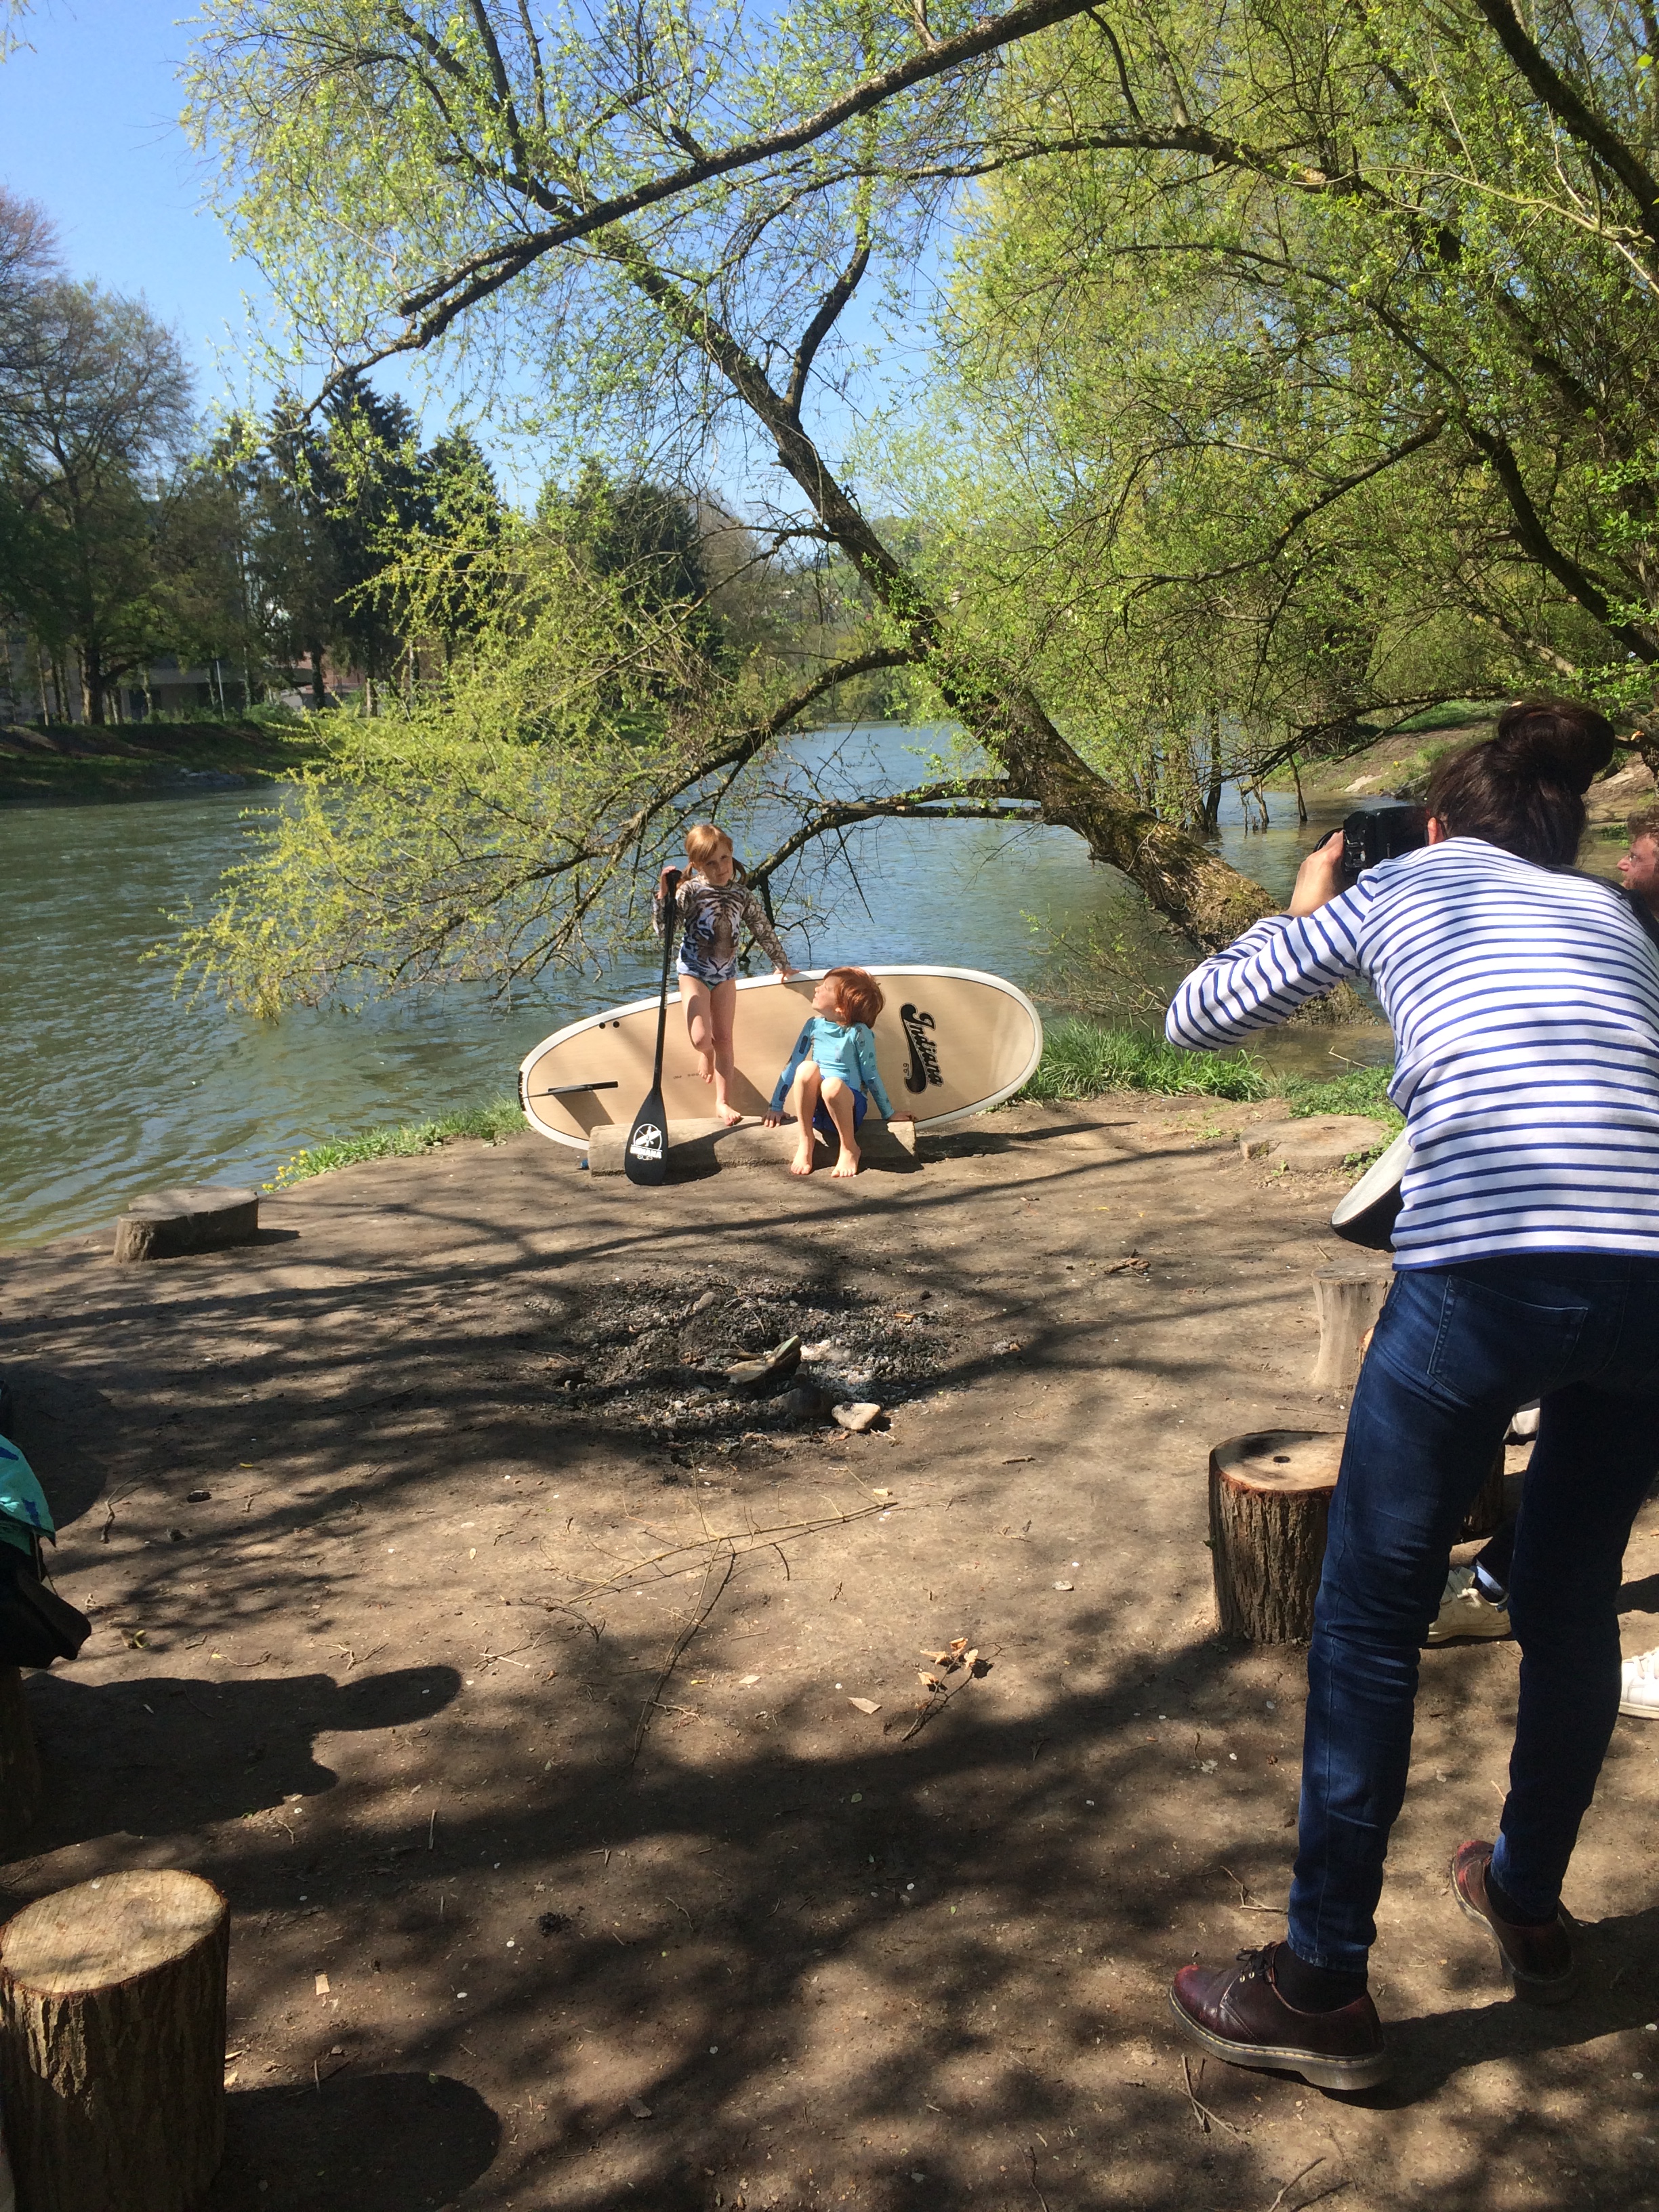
(671, 922)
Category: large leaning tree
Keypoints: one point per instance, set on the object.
(659, 220)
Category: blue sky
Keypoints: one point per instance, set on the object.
(89, 128)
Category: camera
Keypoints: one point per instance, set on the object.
(1379, 830)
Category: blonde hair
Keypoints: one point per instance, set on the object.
(702, 840)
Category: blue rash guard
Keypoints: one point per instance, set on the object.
(846, 1049)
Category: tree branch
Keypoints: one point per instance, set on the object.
(821, 326)
(984, 37)
(1574, 112)
(970, 799)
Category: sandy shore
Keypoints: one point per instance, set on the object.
(385, 1684)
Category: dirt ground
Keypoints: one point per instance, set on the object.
(393, 1546)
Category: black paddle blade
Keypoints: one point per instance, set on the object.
(647, 1157)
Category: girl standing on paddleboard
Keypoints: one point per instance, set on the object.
(715, 904)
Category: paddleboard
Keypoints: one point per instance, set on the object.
(950, 1042)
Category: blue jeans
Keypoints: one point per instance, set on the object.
(1456, 1349)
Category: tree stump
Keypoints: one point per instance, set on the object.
(1348, 1300)
(1270, 1498)
(20, 1764)
(170, 1223)
(113, 2044)
(1486, 1514)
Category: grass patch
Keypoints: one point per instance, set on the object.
(501, 1117)
(1361, 1090)
(1453, 715)
(1082, 1058)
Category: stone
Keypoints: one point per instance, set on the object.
(857, 1418)
(170, 1223)
(756, 1377)
(803, 1403)
(1320, 1140)
(710, 1144)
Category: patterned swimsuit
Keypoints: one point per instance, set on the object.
(713, 919)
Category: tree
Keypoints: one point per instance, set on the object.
(1412, 255)
(93, 398)
(644, 211)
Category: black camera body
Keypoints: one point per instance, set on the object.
(1381, 829)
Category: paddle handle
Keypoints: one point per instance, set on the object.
(671, 922)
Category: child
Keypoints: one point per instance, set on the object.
(715, 902)
(832, 1066)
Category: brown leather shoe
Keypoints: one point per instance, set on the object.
(1237, 2014)
(1538, 1962)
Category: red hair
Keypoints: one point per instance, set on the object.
(858, 995)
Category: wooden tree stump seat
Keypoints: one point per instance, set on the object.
(1270, 1497)
(1348, 1300)
(204, 1217)
(113, 2044)
(20, 1764)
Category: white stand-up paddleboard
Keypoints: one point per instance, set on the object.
(950, 1042)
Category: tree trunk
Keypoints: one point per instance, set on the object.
(20, 1764)
(1270, 1500)
(94, 685)
(113, 2044)
(318, 683)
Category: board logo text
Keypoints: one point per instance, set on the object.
(923, 1052)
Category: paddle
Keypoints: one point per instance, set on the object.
(645, 1159)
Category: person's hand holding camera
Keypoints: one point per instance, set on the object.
(1319, 879)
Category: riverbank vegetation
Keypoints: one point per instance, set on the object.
(497, 1118)
(67, 765)
(1080, 1059)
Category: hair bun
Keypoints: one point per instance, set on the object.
(1550, 740)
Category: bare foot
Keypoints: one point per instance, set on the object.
(802, 1163)
(847, 1164)
(729, 1114)
(708, 1071)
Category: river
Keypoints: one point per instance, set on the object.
(114, 1083)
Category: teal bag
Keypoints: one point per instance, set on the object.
(25, 1516)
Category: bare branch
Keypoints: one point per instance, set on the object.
(821, 326)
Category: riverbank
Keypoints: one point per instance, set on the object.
(1081, 1059)
(520, 1730)
(76, 764)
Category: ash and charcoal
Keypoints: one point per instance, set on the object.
(655, 1352)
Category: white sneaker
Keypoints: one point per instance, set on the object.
(1464, 1611)
(1638, 1687)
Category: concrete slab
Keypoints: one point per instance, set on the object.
(1318, 1140)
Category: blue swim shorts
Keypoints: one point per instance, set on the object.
(821, 1120)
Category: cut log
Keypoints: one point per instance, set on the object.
(711, 1144)
(1348, 1300)
(113, 2044)
(1270, 1500)
(20, 1765)
(170, 1223)
(1486, 1514)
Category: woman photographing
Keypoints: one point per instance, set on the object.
(1524, 1002)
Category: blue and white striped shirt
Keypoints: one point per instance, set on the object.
(1525, 1010)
